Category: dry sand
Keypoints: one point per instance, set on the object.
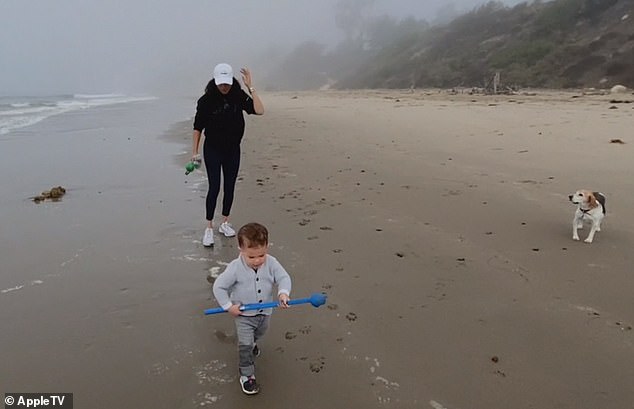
(438, 225)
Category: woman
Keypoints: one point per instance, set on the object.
(219, 115)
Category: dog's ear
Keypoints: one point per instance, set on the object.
(592, 200)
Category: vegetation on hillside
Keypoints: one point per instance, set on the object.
(557, 44)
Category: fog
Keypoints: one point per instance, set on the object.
(165, 46)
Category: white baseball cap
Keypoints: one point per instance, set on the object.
(223, 74)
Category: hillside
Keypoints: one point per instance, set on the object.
(558, 44)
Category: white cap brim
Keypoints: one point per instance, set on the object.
(223, 79)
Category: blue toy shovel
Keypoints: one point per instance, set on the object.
(316, 300)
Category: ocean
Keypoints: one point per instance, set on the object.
(110, 152)
(19, 112)
(42, 136)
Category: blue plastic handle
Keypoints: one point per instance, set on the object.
(316, 300)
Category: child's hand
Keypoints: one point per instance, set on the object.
(284, 299)
(234, 310)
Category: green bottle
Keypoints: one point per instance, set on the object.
(191, 166)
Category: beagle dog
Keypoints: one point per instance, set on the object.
(591, 207)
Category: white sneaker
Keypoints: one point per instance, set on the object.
(208, 238)
(226, 229)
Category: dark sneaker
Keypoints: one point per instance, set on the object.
(256, 350)
(249, 385)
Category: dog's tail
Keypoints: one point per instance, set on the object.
(601, 199)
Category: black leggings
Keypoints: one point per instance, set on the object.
(227, 160)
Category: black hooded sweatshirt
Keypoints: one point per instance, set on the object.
(220, 116)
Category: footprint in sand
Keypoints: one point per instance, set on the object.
(290, 335)
(622, 326)
(214, 271)
(224, 337)
(440, 297)
(158, 369)
(500, 373)
(316, 365)
(452, 192)
(332, 307)
(206, 398)
(213, 373)
(305, 330)
(351, 316)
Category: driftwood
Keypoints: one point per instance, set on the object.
(494, 86)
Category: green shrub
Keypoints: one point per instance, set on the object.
(558, 15)
(525, 54)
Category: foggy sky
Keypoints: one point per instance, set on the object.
(152, 46)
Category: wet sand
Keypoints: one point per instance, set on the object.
(438, 225)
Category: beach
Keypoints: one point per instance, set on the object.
(438, 224)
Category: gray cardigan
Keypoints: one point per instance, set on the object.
(240, 284)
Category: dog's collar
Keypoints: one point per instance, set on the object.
(584, 212)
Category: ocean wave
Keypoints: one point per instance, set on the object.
(26, 111)
(19, 105)
(90, 96)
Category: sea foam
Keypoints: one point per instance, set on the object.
(20, 112)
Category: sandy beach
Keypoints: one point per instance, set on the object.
(438, 225)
